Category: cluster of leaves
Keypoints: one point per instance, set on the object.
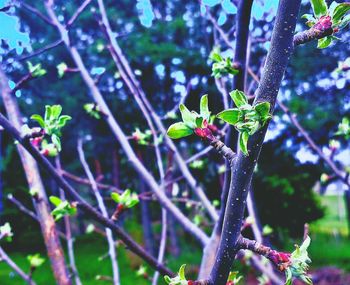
(36, 70)
(234, 278)
(344, 128)
(180, 279)
(191, 120)
(61, 69)
(93, 110)
(52, 123)
(144, 138)
(35, 260)
(299, 261)
(246, 118)
(6, 232)
(126, 199)
(221, 66)
(62, 208)
(326, 17)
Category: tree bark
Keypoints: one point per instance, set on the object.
(243, 168)
(47, 224)
(240, 59)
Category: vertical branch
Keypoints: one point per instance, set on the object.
(242, 171)
(48, 227)
(240, 59)
(111, 243)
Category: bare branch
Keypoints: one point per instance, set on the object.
(78, 13)
(70, 191)
(13, 265)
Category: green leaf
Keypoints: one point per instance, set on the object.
(305, 244)
(344, 22)
(243, 142)
(319, 7)
(182, 272)
(63, 120)
(56, 141)
(167, 279)
(239, 98)
(288, 277)
(55, 111)
(187, 117)
(115, 197)
(55, 200)
(199, 122)
(61, 69)
(47, 113)
(204, 109)
(324, 42)
(179, 130)
(339, 12)
(230, 116)
(39, 119)
(263, 109)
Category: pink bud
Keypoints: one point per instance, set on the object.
(324, 23)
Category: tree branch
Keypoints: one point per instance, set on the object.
(69, 190)
(13, 265)
(242, 172)
(111, 243)
(310, 35)
(141, 99)
(119, 134)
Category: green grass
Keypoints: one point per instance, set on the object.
(334, 221)
(329, 246)
(330, 242)
(88, 251)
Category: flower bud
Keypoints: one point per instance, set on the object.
(324, 23)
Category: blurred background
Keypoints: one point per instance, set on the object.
(168, 44)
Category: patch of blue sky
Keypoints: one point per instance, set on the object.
(179, 76)
(160, 70)
(228, 7)
(222, 18)
(97, 70)
(211, 3)
(10, 31)
(259, 8)
(146, 14)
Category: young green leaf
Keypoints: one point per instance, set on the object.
(39, 119)
(63, 120)
(319, 7)
(324, 42)
(56, 141)
(187, 117)
(199, 122)
(230, 116)
(55, 200)
(204, 109)
(182, 272)
(115, 197)
(239, 98)
(263, 109)
(339, 12)
(47, 113)
(179, 130)
(55, 111)
(243, 142)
